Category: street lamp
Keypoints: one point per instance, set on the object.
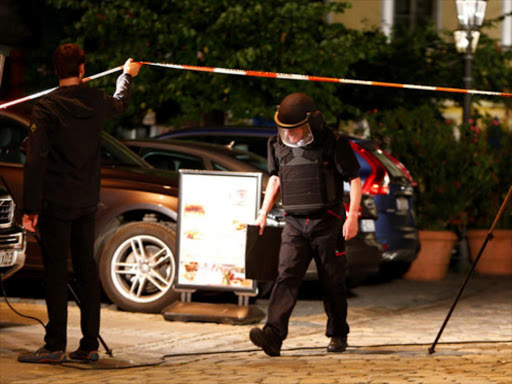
(471, 15)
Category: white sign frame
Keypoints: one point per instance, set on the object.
(213, 212)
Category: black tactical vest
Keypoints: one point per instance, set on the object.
(309, 180)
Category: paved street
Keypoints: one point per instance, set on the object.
(392, 326)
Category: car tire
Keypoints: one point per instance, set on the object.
(393, 270)
(138, 266)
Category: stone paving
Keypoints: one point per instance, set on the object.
(392, 327)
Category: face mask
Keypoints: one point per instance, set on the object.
(296, 137)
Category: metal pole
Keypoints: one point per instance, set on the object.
(487, 239)
(468, 57)
(77, 301)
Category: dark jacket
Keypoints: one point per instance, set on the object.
(63, 148)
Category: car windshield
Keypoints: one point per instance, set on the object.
(115, 154)
(256, 161)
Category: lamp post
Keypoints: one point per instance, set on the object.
(471, 15)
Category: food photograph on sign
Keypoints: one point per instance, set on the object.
(215, 208)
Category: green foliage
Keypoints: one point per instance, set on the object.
(279, 36)
(427, 57)
(451, 173)
(419, 56)
(282, 36)
(486, 205)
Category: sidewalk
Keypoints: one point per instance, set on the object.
(392, 327)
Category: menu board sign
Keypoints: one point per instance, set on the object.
(214, 210)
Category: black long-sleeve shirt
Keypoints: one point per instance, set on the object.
(63, 147)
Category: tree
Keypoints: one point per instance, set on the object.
(452, 174)
(281, 36)
(422, 56)
(289, 36)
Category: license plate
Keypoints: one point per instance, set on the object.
(402, 204)
(367, 225)
(6, 257)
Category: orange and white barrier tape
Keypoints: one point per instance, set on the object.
(277, 75)
(289, 76)
(42, 93)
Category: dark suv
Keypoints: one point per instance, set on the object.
(135, 224)
(12, 236)
(392, 188)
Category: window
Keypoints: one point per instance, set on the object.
(12, 134)
(114, 154)
(256, 144)
(411, 13)
(219, 167)
(252, 159)
(172, 161)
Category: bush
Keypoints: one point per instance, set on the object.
(452, 165)
(486, 206)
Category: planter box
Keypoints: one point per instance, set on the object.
(497, 256)
(434, 256)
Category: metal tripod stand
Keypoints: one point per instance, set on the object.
(487, 239)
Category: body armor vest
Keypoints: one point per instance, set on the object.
(309, 180)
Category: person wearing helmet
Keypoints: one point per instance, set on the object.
(308, 165)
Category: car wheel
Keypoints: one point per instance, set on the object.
(391, 270)
(138, 265)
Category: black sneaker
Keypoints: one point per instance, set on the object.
(337, 344)
(85, 356)
(43, 356)
(265, 342)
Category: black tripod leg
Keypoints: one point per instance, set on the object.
(489, 237)
(431, 349)
(77, 301)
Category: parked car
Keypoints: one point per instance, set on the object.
(12, 236)
(392, 188)
(137, 215)
(383, 176)
(365, 253)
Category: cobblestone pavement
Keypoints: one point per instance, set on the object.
(392, 327)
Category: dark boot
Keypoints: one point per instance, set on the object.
(337, 344)
(265, 341)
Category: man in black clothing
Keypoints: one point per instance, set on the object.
(308, 164)
(61, 194)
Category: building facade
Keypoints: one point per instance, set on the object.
(385, 14)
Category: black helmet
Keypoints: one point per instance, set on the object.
(294, 111)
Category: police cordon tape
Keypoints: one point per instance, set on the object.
(277, 75)
(42, 93)
(289, 76)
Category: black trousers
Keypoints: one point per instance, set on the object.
(302, 239)
(63, 231)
